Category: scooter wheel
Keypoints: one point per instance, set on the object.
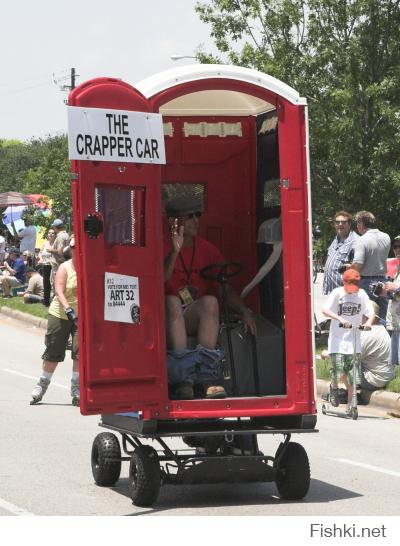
(323, 409)
(354, 414)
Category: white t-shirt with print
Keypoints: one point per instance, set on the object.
(350, 307)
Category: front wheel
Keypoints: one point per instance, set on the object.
(144, 476)
(106, 455)
(293, 476)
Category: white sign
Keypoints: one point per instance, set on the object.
(97, 134)
(121, 298)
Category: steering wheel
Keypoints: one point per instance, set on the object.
(221, 272)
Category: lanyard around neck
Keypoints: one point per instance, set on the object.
(188, 272)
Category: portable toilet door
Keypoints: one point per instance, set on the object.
(117, 148)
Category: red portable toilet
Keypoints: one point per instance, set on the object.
(239, 139)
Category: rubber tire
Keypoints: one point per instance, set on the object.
(293, 478)
(144, 476)
(105, 447)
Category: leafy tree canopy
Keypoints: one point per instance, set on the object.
(344, 57)
(40, 167)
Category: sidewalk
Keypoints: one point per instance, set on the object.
(24, 317)
(389, 401)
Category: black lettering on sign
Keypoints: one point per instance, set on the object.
(139, 151)
(88, 145)
(129, 295)
(117, 124)
(154, 148)
(104, 144)
(79, 142)
(113, 144)
(128, 144)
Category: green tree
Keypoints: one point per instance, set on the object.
(51, 177)
(344, 57)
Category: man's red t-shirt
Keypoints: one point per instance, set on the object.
(193, 259)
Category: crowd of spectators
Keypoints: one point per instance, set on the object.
(358, 267)
(29, 271)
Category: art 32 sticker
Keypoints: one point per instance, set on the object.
(121, 298)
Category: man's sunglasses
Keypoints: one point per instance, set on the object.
(337, 222)
(396, 246)
(190, 215)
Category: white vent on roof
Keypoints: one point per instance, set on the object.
(220, 129)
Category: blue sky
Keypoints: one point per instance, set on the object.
(127, 39)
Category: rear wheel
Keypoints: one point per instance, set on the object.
(106, 451)
(144, 476)
(293, 476)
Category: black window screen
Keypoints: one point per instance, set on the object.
(123, 210)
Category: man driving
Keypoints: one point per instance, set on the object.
(192, 306)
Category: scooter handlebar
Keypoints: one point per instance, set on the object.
(351, 326)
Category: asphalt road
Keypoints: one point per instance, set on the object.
(45, 456)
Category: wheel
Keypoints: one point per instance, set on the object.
(323, 409)
(293, 478)
(105, 449)
(354, 414)
(144, 476)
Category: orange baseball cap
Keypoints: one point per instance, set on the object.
(351, 281)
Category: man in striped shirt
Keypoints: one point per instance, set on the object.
(340, 252)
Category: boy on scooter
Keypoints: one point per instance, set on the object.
(348, 306)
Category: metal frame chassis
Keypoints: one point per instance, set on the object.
(197, 468)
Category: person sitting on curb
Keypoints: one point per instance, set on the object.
(376, 371)
(13, 273)
(191, 306)
(347, 306)
(34, 292)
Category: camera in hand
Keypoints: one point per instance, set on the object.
(377, 288)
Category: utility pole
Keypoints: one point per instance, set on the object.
(72, 77)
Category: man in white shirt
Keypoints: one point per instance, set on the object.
(347, 306)
(27, 236)
(370, 254)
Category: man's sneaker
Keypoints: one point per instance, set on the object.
(208, 390)
(334, 396)
(39, 391)
(75, 393)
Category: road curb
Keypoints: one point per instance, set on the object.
(389, 401)
(25, 317)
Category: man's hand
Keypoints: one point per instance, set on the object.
(249, 321)
(71, 315)
(391, 287)
(176, 235)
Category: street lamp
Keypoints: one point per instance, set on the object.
(177, 57)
